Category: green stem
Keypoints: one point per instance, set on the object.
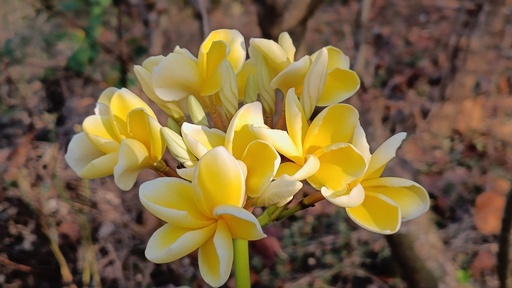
(280, 213)
(242, 272)
(161, 168)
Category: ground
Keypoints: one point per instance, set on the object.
(439, 70)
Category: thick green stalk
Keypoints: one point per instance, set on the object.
(242, 272)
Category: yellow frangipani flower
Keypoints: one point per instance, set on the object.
(205, 214)
(321, 152)
(379, 204)
(122, 138)
(321, 79)
(269, 59)
(180, 74)
(143, 74)
(260, 158)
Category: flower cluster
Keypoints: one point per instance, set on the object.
(243, 133)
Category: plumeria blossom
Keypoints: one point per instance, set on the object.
(379, 204)
(231, 157)
(122, 138)
(269, 58)
(321, 79)
(321, 152)
(143, 74)
(260, 158)
(180, 74)
(203, 214)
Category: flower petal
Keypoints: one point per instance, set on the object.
(124, 101)
(271, 51)
(293, 76)
(297, 172)
(146, 130)
(172, 200)
(340, 84)
(200, 139)
(383, 155)
(280, 140)
(246, 86)
(234, 40)
(218, 179)
(241, 223)
(340, 164)
(133, 157)
(285, 41)
(412, 199)
(170, 242)
(104, 101)
(239, 134)
(216, 256)
(353, 198)
(337, 59)
(229, 91)
(209, 67)
(87, 160)
(296, 122)
(335, 123)
(314, 83)
(178, 148)
(279, 191)
(186, 173)
(262, 161)
(377, 214)
(101, 133)
(176, 77)
(143, 74)
(361, 143)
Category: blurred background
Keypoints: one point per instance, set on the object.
(439, 70)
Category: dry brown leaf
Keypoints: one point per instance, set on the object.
(485, 261)
(488, 212)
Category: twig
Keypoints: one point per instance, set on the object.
(13, 265)
(205, 21)
(504, 243)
